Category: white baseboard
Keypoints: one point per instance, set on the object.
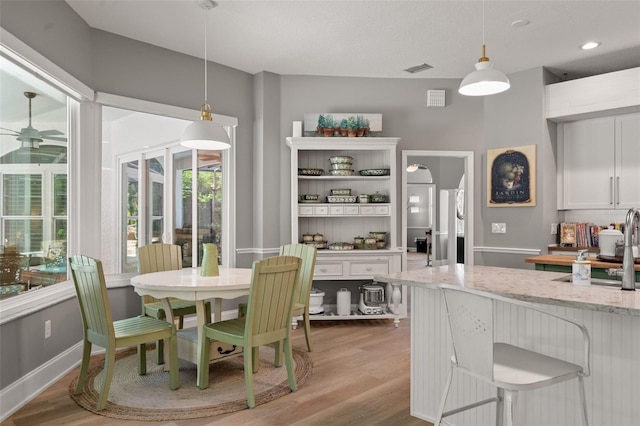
(20, 392)
(23, 390)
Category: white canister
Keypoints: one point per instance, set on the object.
(343, 297)
(607, 239)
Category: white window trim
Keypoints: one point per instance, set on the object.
(228, 159)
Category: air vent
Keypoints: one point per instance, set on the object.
(418, 68)
(436, 98)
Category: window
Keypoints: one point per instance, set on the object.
(33, 182)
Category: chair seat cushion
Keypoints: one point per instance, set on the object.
(180, 308)
(516, 368)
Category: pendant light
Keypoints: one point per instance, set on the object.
(204, 134)
(484, 80)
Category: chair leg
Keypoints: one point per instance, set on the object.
(174, 378)
(307, 329)
(180, 322)
(277, 360)
(288, 360)
(86, 356)
(142, 359)
(444, 397)
(510, 398)
(248, 376)
(583, 401)
(160, 351)
(500, 407)
(109, 361)
(255, 357)
(203, 360)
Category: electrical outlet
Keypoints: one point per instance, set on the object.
(554, 229)
(499, 228)
(47, 329)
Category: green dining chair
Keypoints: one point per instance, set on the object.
(100, 329)
(273, 284)
(157, 258)
(308, 255)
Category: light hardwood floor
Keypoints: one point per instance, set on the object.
(360, 377)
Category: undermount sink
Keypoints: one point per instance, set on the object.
(594, 281)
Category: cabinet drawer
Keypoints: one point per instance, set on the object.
(370, 268)
(328, 269)
(343, 210)
(367, 210)
(313, 210)
(382, 210)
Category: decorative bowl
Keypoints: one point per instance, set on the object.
(375, 172)
(341, 159)
(310, 172)
(317, 244)
(340, 246)
(341, 166)
(378, 235)
(377, 198)
(309, 197)
(341, 191)
(341, 172)
(341, 198)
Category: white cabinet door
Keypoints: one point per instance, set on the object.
(628, 161)
(588, 169)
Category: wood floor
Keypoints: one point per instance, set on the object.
(360, 377)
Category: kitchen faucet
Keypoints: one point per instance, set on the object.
(631, 229)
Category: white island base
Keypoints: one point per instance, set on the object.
(612, 317)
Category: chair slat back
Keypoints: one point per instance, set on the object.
(308, 255)
(158, 258)
(471, 323)
(273, 283)
(91, 289)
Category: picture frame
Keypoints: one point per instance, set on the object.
(511, 176)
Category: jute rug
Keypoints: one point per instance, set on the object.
(135, 397)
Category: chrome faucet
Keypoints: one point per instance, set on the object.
(631, 229)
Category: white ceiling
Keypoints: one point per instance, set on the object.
(382, 38)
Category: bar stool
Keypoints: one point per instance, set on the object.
(509, 368)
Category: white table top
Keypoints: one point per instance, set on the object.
(188, 284)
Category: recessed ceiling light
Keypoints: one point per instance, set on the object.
(590, 45)
(519, 23)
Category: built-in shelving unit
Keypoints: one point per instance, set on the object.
(342, 222)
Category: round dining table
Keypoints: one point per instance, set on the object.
(188, 284)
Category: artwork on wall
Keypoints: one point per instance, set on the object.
(511, 176)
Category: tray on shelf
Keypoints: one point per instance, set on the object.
(310, 172)
(341, 198)
(375, 172)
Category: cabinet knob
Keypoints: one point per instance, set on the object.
(323, 270)
(369, 269)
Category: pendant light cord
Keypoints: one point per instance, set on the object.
(483, 23)
(205, 54)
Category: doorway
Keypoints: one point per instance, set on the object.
(449, 170)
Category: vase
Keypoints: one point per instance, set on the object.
(209, 266)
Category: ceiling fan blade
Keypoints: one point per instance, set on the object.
(11, 130)
(10, 134)
(50, 132)
(53, 138)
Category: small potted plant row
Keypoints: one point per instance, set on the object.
(352, 126)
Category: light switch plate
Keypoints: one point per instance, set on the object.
(499, 228)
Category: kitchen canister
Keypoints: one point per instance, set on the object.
(343, 302)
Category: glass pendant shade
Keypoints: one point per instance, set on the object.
(484, 81)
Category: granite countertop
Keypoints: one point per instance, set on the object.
(522, 284)
(565, 260)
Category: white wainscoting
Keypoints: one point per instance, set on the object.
(612, 390)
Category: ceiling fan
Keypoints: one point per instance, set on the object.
(32, 138)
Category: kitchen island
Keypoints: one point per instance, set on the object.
(611, 315)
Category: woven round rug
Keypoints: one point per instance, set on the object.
(148, 397)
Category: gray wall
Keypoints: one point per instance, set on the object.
(266, 105)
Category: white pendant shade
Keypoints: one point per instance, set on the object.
(205, 134)
(484, 81)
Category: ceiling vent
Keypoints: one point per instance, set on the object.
(418, 68)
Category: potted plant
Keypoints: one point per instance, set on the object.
(352, 126)
(321, 124)
(366, 126)
(360, 125)
(343, 127)
(329, 124)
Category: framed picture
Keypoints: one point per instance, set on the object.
(511, 176)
